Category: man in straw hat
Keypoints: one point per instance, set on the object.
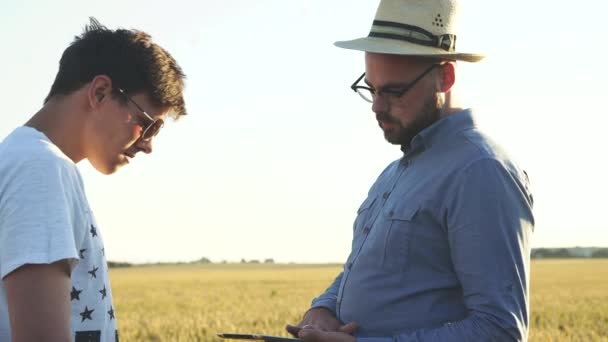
(441, 249)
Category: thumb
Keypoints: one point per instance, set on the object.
(293, 330)
(349, 328)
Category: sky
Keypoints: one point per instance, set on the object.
(277, 152)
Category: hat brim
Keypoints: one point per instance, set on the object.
(398, 47)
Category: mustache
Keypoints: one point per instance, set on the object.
(386, 117)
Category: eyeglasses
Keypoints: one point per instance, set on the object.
(368, 94)
(153, 127)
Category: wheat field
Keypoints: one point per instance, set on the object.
(569, 299)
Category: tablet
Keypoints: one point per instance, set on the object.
(257, 337)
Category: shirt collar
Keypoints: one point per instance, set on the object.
(447, 126)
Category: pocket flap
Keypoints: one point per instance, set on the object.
(369, 201)
(403, 212)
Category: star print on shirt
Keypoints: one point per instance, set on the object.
(93, 272)
(75, 294)
(86, 314)
(82, 253)
(93, 231)
(111, 313)
(103, 292)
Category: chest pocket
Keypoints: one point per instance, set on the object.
(400, 223)
(364, 214)
(362, 224)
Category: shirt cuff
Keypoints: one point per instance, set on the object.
(324, 303)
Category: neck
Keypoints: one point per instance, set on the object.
(62, 121)
(451, 103)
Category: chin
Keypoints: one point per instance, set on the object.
(392, 141)
(108, 171)
(392, 138)
(107, 168)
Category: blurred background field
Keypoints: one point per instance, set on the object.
(569, 299)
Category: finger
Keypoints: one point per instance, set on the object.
(349, 328)
(293, 330)
(310, 335)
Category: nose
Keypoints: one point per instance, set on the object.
(380, 104)
(144, 146)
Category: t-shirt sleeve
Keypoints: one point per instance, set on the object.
(38, 215)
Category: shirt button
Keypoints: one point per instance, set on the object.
(350, 265)
(385, 195)
(391, 213)
(366, 230)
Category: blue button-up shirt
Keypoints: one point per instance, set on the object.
(441, 245)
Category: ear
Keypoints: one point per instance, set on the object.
(448, 77)
(100, 89)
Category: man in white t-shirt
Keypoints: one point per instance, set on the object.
(110, 96)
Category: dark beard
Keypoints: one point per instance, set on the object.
(403, 136)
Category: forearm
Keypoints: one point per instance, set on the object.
(329, 298)
(476, 327)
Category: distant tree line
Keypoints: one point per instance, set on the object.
(574, 252)
(116, 264)
(537, 253)
(203, 260)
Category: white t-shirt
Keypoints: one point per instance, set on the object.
(45, 217)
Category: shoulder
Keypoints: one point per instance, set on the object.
(485, 152)
(473, 156)
(475, 149)
(28, 153)
(490, 166)
(31, 166)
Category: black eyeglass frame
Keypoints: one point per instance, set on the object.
(151, 130)
(396, 94)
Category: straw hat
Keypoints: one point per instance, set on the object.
(424, 28)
